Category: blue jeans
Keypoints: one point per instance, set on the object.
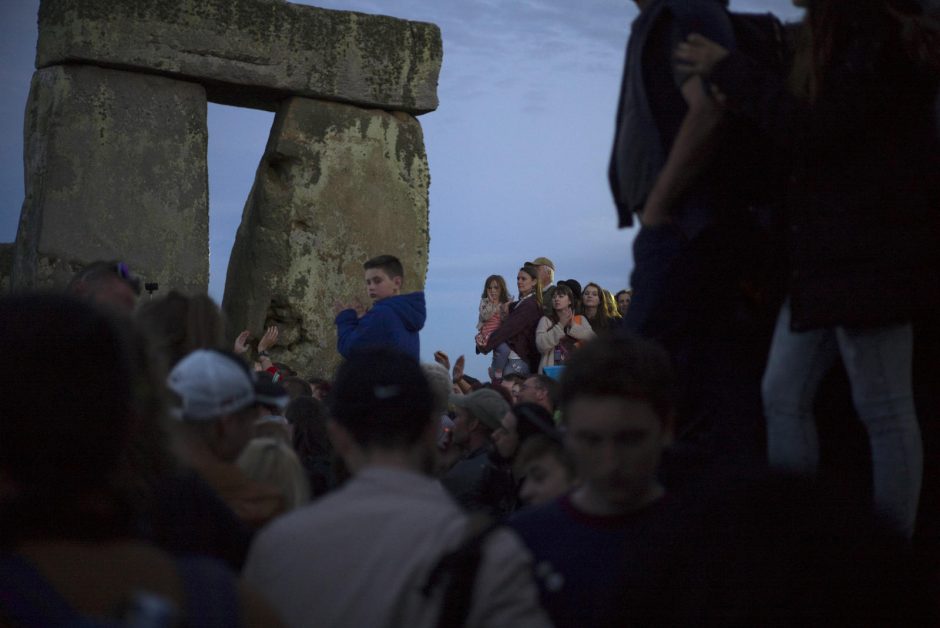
(878, 363)
(518, 366)
(500, 357)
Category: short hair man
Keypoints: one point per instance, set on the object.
(394, 319)
(539, 389)
(479, 482)
(217, 409)
(364, 554)
(595, 544)
(511, 383)
(107, 284)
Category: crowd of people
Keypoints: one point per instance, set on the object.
(546, 323)
(645, 459)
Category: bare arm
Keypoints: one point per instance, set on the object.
(689, 154)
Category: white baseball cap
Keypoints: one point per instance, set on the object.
(210, 384)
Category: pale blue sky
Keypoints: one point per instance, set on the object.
(518, 148)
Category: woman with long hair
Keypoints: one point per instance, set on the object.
(561, 332)
(518, 328)
(596, 307)
(855, 120)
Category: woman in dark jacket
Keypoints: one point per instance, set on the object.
(856, 121)
(518, 328)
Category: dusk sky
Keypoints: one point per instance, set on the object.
(518, 148)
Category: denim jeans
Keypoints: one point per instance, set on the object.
(878, 363)
(500, 357)
(518, 366)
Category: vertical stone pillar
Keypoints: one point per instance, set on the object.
(337, 185)
(115, 169)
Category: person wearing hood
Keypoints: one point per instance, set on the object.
(394, 319)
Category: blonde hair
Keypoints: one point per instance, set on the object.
(273, 462)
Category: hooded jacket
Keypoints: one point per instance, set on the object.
(391, 322)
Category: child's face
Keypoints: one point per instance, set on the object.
(616, 444)
(379, 285)
(492, 291)
(545, 479)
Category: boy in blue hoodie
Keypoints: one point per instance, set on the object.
(394, 319)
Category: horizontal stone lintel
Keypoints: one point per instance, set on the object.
(252, 53)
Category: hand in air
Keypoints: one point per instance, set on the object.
(241, 343)
(441, 358)
(458, 369)
(269, 339)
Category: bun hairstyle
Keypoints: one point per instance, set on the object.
(533, 271)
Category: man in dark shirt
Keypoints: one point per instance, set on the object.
(677, 164)
(599, 551)
(480, 481)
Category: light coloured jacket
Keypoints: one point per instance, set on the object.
(548, 334)
(360, 556)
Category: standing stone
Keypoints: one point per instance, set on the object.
(336, 186)
(115, 169)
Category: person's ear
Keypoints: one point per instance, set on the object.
(397, 281)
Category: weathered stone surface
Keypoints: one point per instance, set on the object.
(336, 186)
(115, 168)
(6, 266)
(252, 52)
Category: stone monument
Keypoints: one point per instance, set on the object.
(116, 139)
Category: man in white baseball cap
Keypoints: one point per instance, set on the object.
(217, 406)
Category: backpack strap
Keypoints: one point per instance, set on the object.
(27, 598)
(461, 565)
(210, 592)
